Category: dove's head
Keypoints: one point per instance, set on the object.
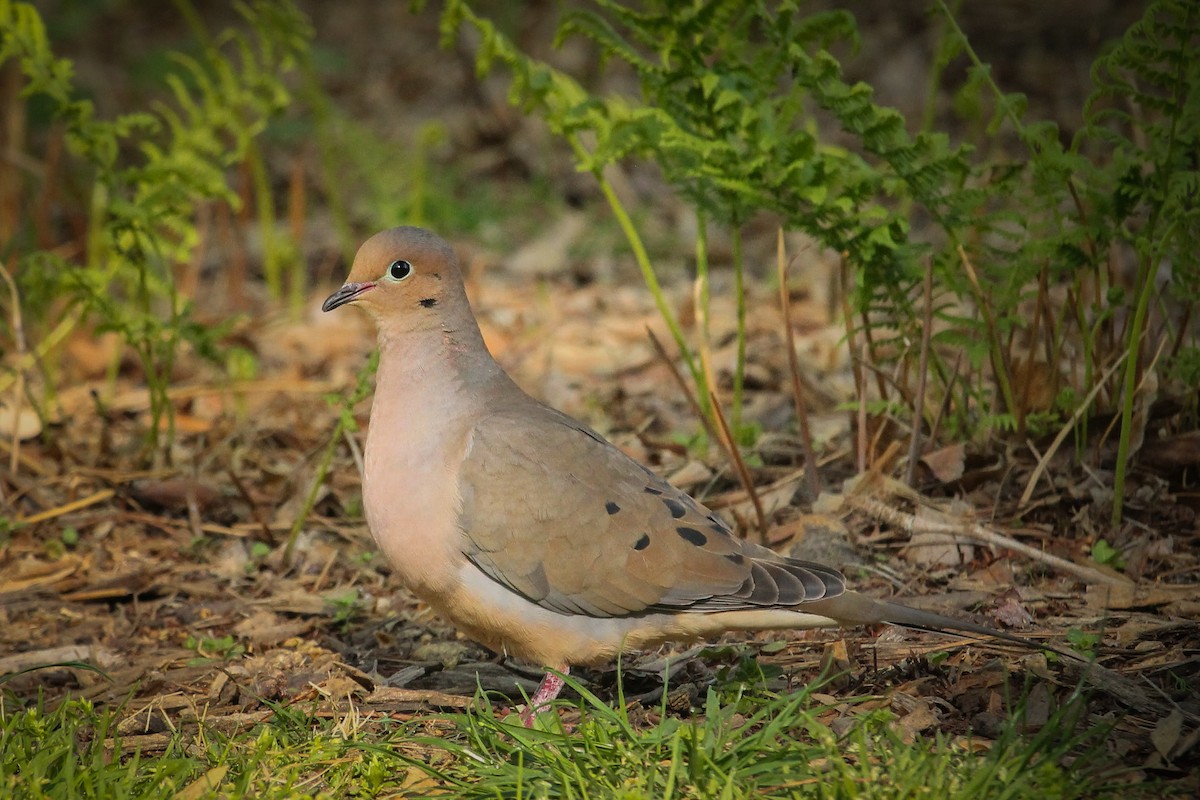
(406, 278)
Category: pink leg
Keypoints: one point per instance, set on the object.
(546, 691)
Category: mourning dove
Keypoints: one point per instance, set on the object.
(528, 530)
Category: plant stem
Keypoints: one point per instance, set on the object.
(1149, 259)
(643, 262)
(739, 465)
(918, 414)
(739, 290)
(811, 469)
(266, 220)
(311, 498)
(1000, 366)
(702, 314)
(345, 422)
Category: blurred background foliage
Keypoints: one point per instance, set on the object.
(1013, 264)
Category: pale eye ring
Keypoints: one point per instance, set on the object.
(399, 270)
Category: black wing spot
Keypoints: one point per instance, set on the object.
(652, 490)
(736, 558)
(429, 302)
(642, 543)
(611, 507)
(675, 507)
(692, 536)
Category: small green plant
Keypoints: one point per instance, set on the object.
(1083, 641)
(346, 424)
(1146, 110)
(209, 649)
(258, 553)
(150, 170)
(1104, 553)
(352, 507)
(748, 671)
(346, 607)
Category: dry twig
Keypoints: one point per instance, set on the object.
(811, 473)
(918, 415)
(739, 465)
(979, 533)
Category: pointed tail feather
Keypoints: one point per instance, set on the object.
(858, 609)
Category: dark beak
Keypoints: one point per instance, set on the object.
(347, 294)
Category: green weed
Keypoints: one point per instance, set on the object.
(731, 98)
(149, 170)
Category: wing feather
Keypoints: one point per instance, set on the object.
(602, 536)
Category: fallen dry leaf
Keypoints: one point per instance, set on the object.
(948, 463)
(205, 784)
(25, 423)
(1010, 612)
(920, 718)
(1166, 734)
(174, 494)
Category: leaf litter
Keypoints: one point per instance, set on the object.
(173, 583)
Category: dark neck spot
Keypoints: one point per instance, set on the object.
(429, 302)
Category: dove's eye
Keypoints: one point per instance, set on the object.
(399, 270)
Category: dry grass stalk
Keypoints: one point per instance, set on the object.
(812, 472)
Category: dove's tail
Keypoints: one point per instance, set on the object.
(855, 608)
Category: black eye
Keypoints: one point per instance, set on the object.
(399, 270)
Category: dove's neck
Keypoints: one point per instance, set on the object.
(432, 388)
(444, 372)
